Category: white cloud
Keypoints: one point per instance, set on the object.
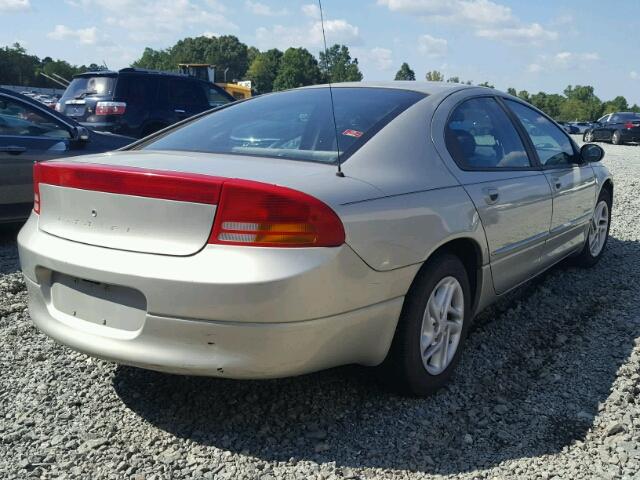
(14, 5)
(431, 46)
(564, 60)
(154, 20)
(310, 35)
(258, 8)
(533, 33)
(382, 58)
(634, 75)
(488, 19)
(311, 10)
(87, 36)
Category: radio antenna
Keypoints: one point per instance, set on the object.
(339, 173)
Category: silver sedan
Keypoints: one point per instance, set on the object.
(287, 234)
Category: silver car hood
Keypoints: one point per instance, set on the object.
(319, 180)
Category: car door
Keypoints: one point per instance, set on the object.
(510, 193)
(187, 97)
(600, 131)
(572, 182)
(27, 134)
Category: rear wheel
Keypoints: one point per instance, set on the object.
(616, 138)
(598, 232)
(588, 137)
(432, 328)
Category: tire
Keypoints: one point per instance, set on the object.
(616, 138)
(419, 332)
(588, 137)
(589, 256)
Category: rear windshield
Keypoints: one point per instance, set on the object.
(625, 116)
(297, 124)
(81, 87)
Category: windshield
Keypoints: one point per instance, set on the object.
(297, 124)
(86, 86)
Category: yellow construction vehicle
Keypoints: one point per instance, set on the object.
(203, 71)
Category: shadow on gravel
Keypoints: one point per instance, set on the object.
(534, 371)
(9, 261)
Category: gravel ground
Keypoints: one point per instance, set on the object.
(549, 387)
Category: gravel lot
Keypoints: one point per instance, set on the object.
(549, 387)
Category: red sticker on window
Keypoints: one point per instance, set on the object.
(353, 133)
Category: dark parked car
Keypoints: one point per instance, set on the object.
(31, 132)
(137, 102)
(617, 128)
(582, 126)
(568, 127)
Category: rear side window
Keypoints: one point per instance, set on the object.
(550, 142)
(297, 124)
(137, 89)
(185, 93)
(480, 135)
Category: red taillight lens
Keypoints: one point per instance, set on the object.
(629, 125)
(110, 108)
(183, 187)
(257, 214)
(36, 188)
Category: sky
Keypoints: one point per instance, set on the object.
(541, 45)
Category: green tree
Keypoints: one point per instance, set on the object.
(338, 66)
(486, 84)
(581, 104)
(524, 95)
(434, 76)
(551, 104)
(298, 68)
(453, 80)
(264, 69)
(512, 91)
(618, 104)
(155, 60)
(405, 72)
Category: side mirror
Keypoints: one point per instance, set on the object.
(590, 152)
(80, 134)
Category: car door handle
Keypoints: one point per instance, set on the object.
(13, 149)
(491, 195)
(178, 110)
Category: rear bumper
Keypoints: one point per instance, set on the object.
(238, 312)
(630, 136)
(228, 349)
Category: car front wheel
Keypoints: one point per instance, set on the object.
(598, 232)
(432, 328)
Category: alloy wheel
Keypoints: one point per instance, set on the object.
(442, 325)
(599, 228)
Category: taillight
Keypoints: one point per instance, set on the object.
(178, 186)
(629, 125)
(110, 108)
(258, 214)
(36, 188)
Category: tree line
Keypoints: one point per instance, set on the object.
(17, 67)
(578, 102)
(273, 70)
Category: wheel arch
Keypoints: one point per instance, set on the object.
(469, 251)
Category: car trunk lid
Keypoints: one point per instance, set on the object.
(163, 202)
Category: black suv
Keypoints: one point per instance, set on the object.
(137, 102)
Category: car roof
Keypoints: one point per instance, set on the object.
(138, 71)
(429, 88)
